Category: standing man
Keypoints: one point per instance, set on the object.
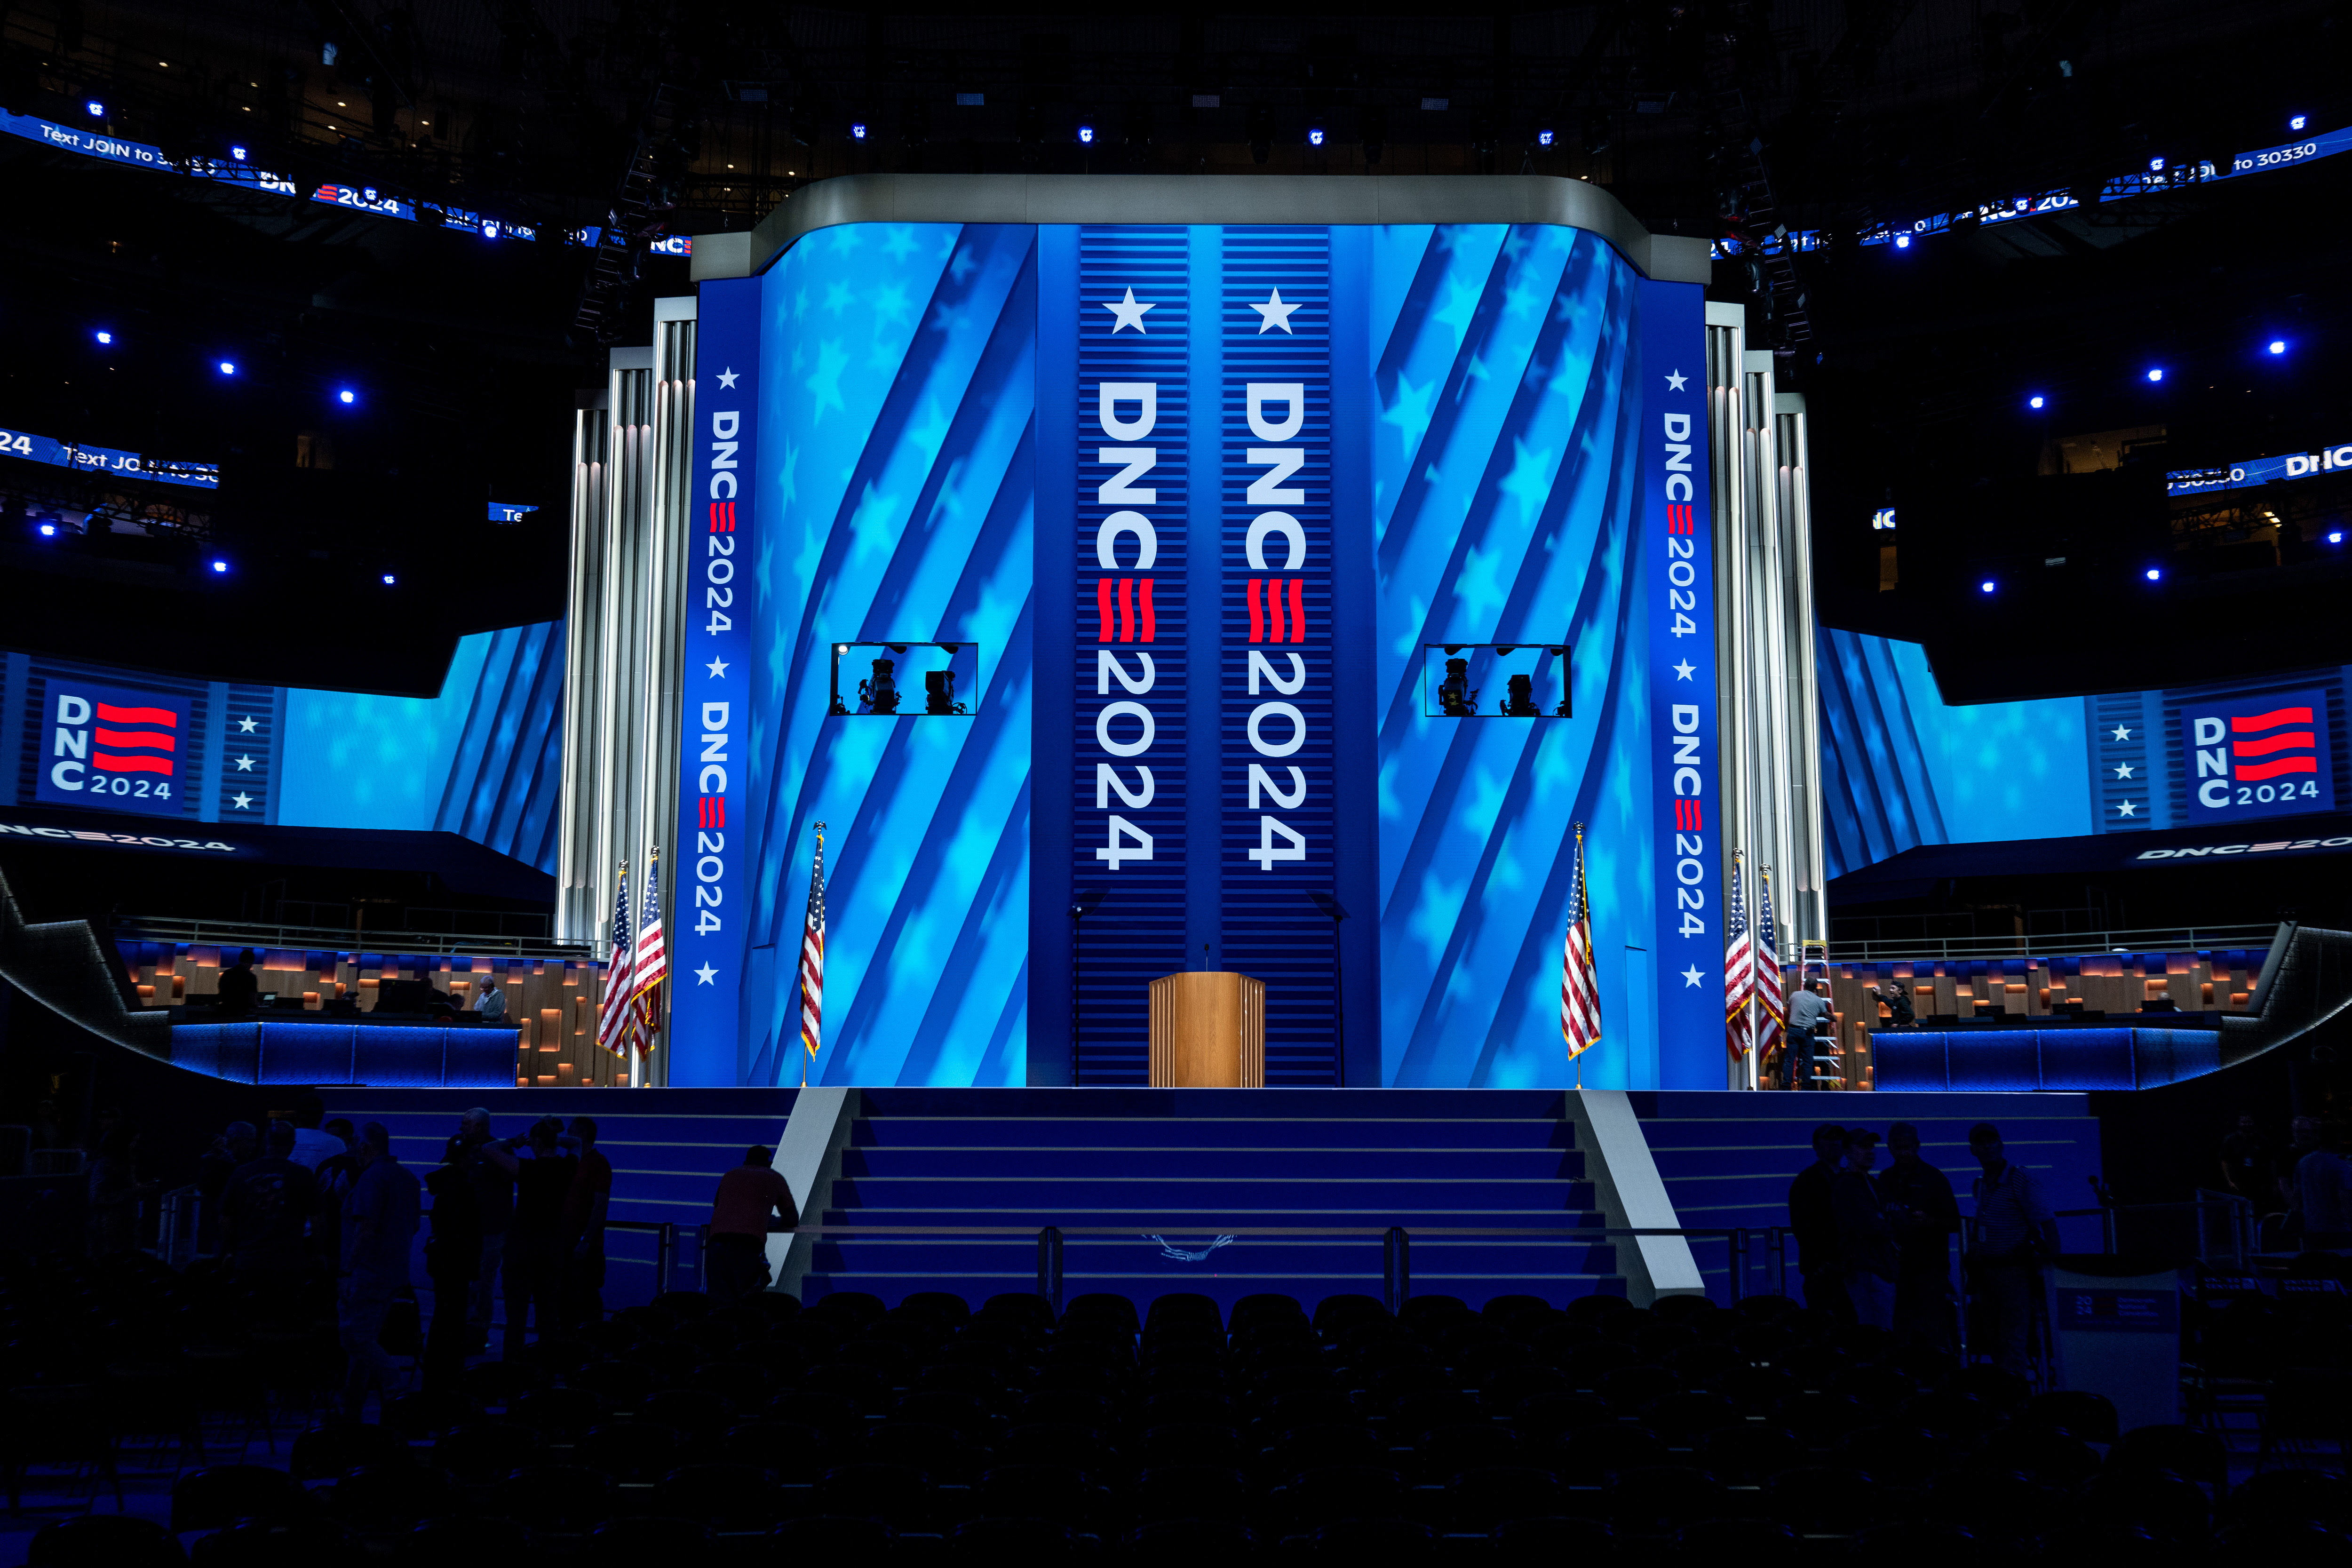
(1865, 1228)
(453, 1256)
(748, 1195)
(264, 1210)
(490, 1166)
(311, 1142)
(379, 1228)
(543, 1179)
(2016, 1233)
(237, 986)
(584, 1208)
(1808, 1012)
(1814, 1219)
(1922, 1196)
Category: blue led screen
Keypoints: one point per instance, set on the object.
(482, 759)
(1198, 496)
(1901, 767)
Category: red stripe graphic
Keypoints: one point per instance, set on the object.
(722, 517)
(1274, 610)
(1126, 609)
(1687, 816)
(1297, 612)
(162, 743)
(1257, 616)
(2270, 720)
(2259, 770)
(2305, 739)
(714, 811)
(1150, 621)
(107, 764)
(170, 720)
(1102, 607)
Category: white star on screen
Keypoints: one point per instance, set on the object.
(1674, 380)
(1274, 313)
(244, 726)
(1692, 976)
(2122, 734)
(727, 377)
(705, 975)
(1683, 670)
(1129, 314)
(2124, 809)
(242, 802)
(718, 667)
(2123, 769)
(245, 765)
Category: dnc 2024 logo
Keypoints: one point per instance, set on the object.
(113, 748)
(2260, 755)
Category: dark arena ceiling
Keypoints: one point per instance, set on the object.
(1843, 122)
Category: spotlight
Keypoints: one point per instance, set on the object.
(347, 395)
(105, 337)
(1086, 135)
(2336, 537)
(2156, 574)
(1902, 242)
(2156, 374)
(2035, 401)
(49, 530)
(220, 565)
(237, 154)
(2295, 123)
(1986, 587)
(2156, 165)
(857, 131)
(228, 367)
(1546, 138)
(1315, 137)
(2278, 345)
(389, 579)
(94, 109)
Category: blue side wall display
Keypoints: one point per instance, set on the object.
(1901, 767)
(483, 758)
(1203, 500)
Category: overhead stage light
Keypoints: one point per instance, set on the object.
(1902, 242)
(2278, 345)
(389, 579)
(2336, 537)
(1544, 138)
(105, 337)
(219, 565)
(49, 530)
(2156, 574)
(347, 395)
(1086, 135)
(2035, 401)
(1986, 587)
(857, 131)
(2156, 374)
(2295, 123)
(228, 367)
(237, 154)
(1315, 137)
(95, 108)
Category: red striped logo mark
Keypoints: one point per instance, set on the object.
(1687, 818)
(714, 811)
(722, 517)
(1266, 613)
(1134, 611)
(1681, 518)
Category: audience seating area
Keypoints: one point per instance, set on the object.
(679, 1432)
(552, 1003)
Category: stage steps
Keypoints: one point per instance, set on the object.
(1175, 1169)
(1727, 1159)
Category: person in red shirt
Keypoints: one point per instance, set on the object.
(580, 1301)
(737, 1262)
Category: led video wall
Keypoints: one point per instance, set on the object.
(1093, 588)
(1901, 767)
(482, 759)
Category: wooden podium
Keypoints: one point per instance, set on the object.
(1208, 1031)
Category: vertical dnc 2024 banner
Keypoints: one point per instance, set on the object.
(711, 894)
(113, 748)
(2258, 754)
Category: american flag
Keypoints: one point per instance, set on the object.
(612, 1020)
(650, 966)
(1580, 985)
(812, 956)
(1739, 972)
(1771, 1011)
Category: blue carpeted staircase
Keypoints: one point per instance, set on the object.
(1727, 1159)
(1173, 1170)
